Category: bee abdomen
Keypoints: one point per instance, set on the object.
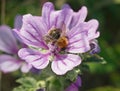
(62, 42)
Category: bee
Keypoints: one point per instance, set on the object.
(52, 36)
(56, 37)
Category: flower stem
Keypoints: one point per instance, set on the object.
(3, 11)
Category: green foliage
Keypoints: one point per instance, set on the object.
(55, 85)
(94, 58)
(27, 84)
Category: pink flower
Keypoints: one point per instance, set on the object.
(56, 36)
(9, 61)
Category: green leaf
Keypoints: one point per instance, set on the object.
(94, 58)
(27, 82)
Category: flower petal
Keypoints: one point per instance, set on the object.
(53, 18)
(78, 82)
(92, 26)
(9, 63)
(78, 41)
(79, 17)
(64, 17)
(64, 63)
(35, 58)
(46, 12)
(8, 42)
(18, 22)
(25, 67)
(32, 31)
(72, 87)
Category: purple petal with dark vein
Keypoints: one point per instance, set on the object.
(64, 17)
(78, 17)
(46, 12)
(78, 41)
(53, 18)
(35, 58)
(91, 27)
(32, 31)
(64, 63)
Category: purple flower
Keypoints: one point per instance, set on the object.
(56, 36)
(9, 61)
(75, 86)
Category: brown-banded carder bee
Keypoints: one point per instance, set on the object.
(56, 37)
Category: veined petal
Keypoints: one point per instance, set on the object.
(37, 59)
(46, 12)
(79, 17)
(78, 41)
(9, 63)
(64, 17)
(92, 26)
(32, 31)
(8, 42)
(79, 46)
(64, 63)
(89, 27)
(17, 35)
(53, 18)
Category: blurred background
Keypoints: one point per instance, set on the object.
(100, 77)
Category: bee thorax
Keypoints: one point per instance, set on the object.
(52, 36)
